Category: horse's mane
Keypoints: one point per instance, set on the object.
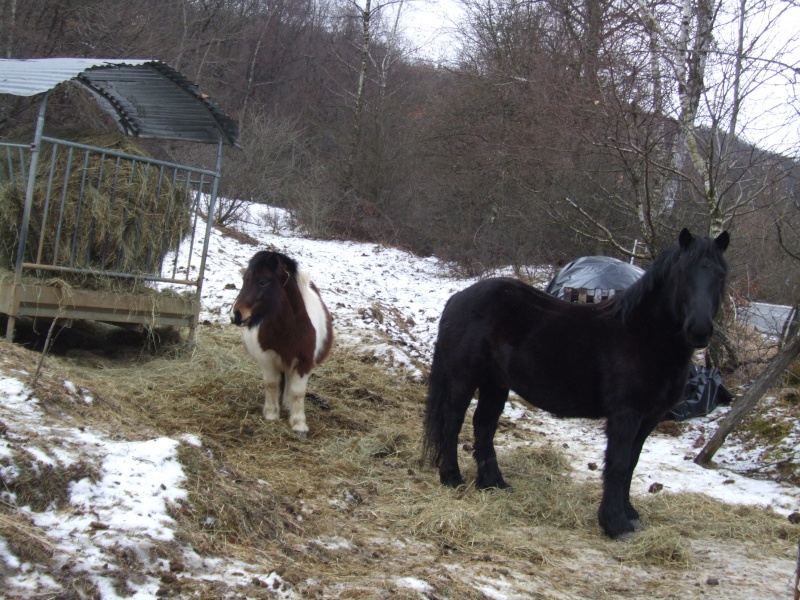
(623, 304)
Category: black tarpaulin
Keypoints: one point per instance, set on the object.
(593, 273)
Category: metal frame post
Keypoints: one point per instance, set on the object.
(209, 223)
(26, 215)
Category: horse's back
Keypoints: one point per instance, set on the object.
(502, 310)
(508, 333)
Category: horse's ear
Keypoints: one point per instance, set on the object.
(685, 238)
(722, 241)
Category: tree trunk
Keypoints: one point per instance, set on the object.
(767, 379)
(366, 33)
(10, 25)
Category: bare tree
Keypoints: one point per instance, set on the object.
(367, 15)
(9, 25)
(682, 149)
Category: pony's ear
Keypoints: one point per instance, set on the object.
(722, 241)
(685, 238)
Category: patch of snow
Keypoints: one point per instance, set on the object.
(412, 583)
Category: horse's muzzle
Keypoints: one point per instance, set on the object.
(699, 339)
(236, 319)
(697, 344)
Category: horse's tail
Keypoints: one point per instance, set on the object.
(435, 408)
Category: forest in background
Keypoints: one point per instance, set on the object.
(555, 128)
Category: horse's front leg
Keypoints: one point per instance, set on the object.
(294, 396)
(645, 429)
(621, 430)
(272, 392)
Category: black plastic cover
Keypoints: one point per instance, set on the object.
(594, 272)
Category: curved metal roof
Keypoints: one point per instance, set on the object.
(147, 98)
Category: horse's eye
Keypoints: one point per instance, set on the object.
(263, 283)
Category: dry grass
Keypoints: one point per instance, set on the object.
(126, 219)
(258, 493)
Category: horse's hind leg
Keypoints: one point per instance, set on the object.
(456, 408)
(491, 401)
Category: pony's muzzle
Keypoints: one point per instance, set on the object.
(237, 318)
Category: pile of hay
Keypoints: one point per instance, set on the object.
(350, 510)
(127, 219)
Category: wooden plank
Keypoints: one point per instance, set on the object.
(6, 298)
(68, 303)
(587, 296)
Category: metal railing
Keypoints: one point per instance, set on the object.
(104, 213)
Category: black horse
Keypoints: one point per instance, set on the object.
(626, 359)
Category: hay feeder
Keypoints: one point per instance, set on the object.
(81, 213)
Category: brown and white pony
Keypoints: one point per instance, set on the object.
(287, 331)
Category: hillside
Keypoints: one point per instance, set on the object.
(140, 473)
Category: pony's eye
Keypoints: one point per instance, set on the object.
(263, 283)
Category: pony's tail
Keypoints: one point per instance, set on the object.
(436, 405)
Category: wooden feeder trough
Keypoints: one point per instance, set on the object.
(586, 296)
(91, 213)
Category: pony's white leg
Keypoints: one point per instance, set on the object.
(294, 395)
(272, 392)
(270, 364)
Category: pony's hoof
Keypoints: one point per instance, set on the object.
(625, 536)
(637, 525)
(301, 434)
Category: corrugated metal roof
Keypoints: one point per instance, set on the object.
(148, 98)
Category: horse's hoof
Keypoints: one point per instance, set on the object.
(625, 536)
(452, 482)
(302, 434)
(637, 525)
(497, 485)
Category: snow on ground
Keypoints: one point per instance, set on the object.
(368, 288)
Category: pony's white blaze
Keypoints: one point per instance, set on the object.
(316, 311)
